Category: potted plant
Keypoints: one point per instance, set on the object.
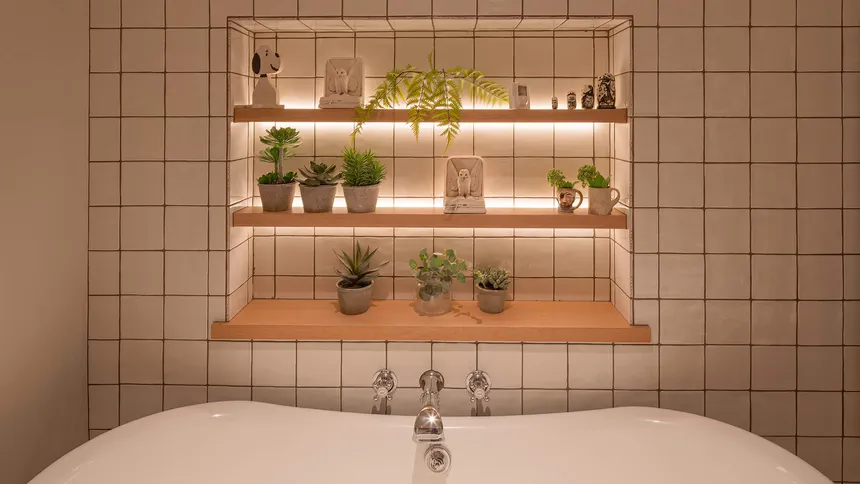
(492, 284)
(564, 191)
(362, 174)
(435, 94)
(356, 279)
(318, 187)
(277, 188)
(600, 195)
(435, 273)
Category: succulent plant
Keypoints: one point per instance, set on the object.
(556, 178)
(493, 278)
(361, 168)
(318, 174)
(437, 271)
(590, 177)
(357, 270)
(282, 144)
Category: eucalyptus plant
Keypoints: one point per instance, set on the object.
(361, 168)
(591, 177)
(434, 95)
(436, 272)
(281, 144)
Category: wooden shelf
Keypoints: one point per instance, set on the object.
(530, 218)
(395, 320)
(250, 114)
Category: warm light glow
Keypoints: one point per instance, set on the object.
(388, 202)
(534, 202)
(573, 128)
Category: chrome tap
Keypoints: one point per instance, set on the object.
(428, 423)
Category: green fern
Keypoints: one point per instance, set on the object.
(435, 95)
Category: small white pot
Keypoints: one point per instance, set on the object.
(361, 199)
(601, 200)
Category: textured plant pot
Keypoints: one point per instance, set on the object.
(361, 199)
(567, 199)
(354, 301)
(318, 199)
(491, 300)
(277, 197)
(433, 305)
(601, 200)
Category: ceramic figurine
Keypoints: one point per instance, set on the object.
(519, 97)
(569, 199)
(606, 92)
(587, 96)
(571, 100)
(265, 62)
(554, 102)
(344, 81)
(464, 185)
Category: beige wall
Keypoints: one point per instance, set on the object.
(43, 241)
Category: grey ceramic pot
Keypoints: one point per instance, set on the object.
(491, 300)
(601, 200)
(318, 199)
(277, 197)
(361, 199)
(354, 301)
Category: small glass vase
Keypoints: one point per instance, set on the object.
(432, 299)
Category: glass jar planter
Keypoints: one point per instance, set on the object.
(432, 298)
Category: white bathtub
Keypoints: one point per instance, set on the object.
(254, 443)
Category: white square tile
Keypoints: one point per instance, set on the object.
(140, 361)
(188, 183)
(187, 13)
(773, 12)
(274, 364)
(727, 140)
(187, 94)
(727, 231)
(682, 276)
(103, 228)
(773, 140)
(727, 49)
(827, 192)
(681, 185)
(681, 49)
(185, 362)
(773, 413)
(573, 57)
(682, 322)
(819, 140)
(494, 139)
(820, 277)
(187, 50)
(731, 407)
(104, 140)
(773, 186)
(408, 361)
(104, 13)
(822, 453)
(318, 364)
(826, 12)
(818, 49)
(851, 94)
(103, 406)
(727, 94)
(142, 50)
(142, 228)
(360, 362)
(544, 366)
(532, 140)
(772, 49)
(104, 50)
(819, 368)
(104, 95)
(504, 362)
(142, 183)
(186, 228)
(590, 366)
(456, 360)
(774, 232)
(681, 140)
(580, 400)
(728, 322)
(635, 367)
(186, 273)
(142, 273)
(681, 12)
(187, 139)
(819, 231)
(141, 317)
(578, 260)
(142, 13)
(728, 367)
(774, 277)
(681, 94)
(138, 401)
(219, 10)
(773, 94)
(774, 322)
(103, 362)
(819, 413)
(727, 186)
(229, 363)
(728, 276)
(681, 231)
(186, 317)
(227, 393)
(682, 367)
(533, 257)
(727, 12)
(142, 139)
(176, 396)
(533, 57)
(822, 92)
(495, 56)
(103, 320)
(103, 272)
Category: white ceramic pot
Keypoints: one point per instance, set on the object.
(601, 200)
(361, 199)
(277, 197)
(318, 199)
(354, 300)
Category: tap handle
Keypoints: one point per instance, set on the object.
(478, 386)
(384, 384)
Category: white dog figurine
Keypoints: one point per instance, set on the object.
(266, 61)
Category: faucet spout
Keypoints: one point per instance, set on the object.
(428, 424)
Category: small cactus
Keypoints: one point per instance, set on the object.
(493, 278)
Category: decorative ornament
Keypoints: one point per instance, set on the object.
(464, 185)
(571, 100)
(588, 96)
(606, 92)
(344, 81)
(554, 102)
(265, 62)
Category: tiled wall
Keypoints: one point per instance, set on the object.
(745, 234)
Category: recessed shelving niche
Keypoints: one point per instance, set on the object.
(251, 114)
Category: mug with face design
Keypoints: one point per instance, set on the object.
(569, 199)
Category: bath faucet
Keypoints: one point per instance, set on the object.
(428, 423)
